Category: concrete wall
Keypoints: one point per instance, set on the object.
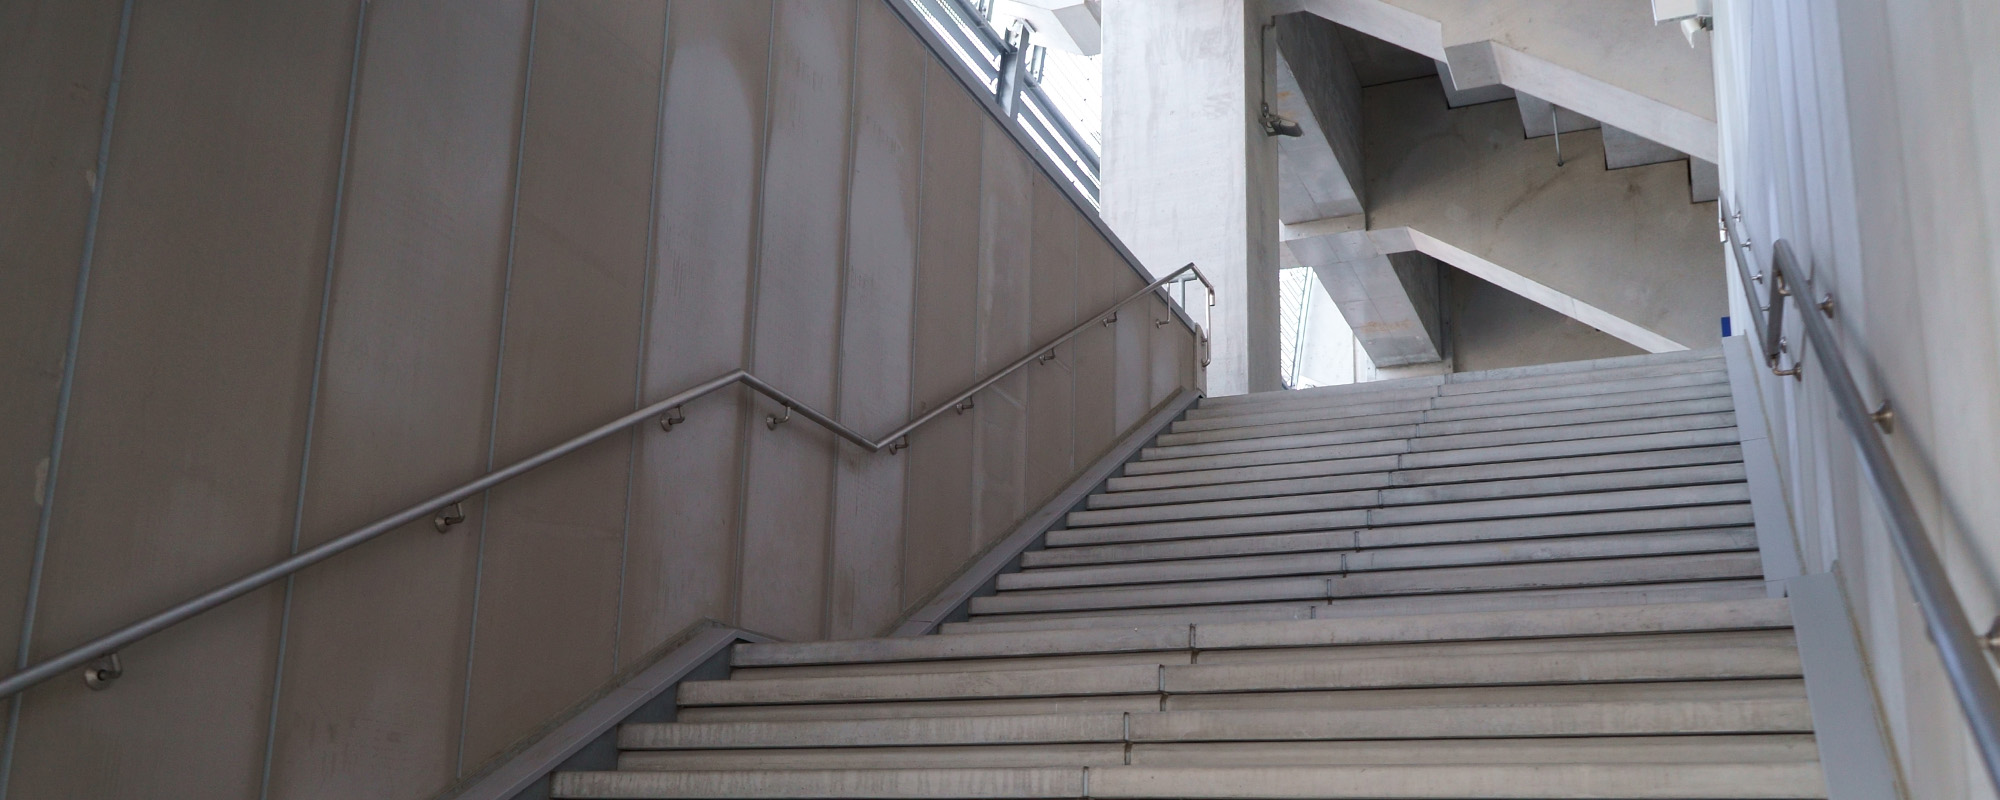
(1862, 133)
(1492, 328)
(1625, 241)
(333, 264)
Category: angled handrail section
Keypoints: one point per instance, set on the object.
(1962, 647)
(664, 410)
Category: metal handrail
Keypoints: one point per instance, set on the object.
(665, 410)
(1961, 647)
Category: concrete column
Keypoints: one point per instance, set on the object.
(1188, 173)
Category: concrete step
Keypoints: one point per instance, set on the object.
(953, 685)
(1445, 429)
(1299, 409)
(1613, 718)
(1481, 648)
(1452, 457)
(1511, 696)
(1620, 781)
(1487, 384)
(1540, 600)
(1632, 718)
(977, 646)
(1218, 637)
(1493, 669)
(1451, 407)
(1320, 670)
(1029, 729)
(1645, 443)
(1176, 655)
(1270, 439)
(1568, 367)
(1027, 623)
(961, 757)
(1506, 470)
(1412, 648)
(1574, 465)
(1339, 423)
(991, 782)
(1768, 748)
(923, 709)
(1396, 441)
(1509, 577)
(1643, 359)
(1180, 506)
(1608, 619)
(1609, 781)
(1459, 383)
(1236, 491)
(1554, 505)
(1341, 562)
(1684, 518)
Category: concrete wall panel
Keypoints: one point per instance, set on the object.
(1006, 229)
(938, 523)
(405, 403)
(1098, 285)
(799, 273)
(837, 212)
(865, 592)
(182, 453)
(54, 71)
(553, 540)
(681, 559)
(1166, 352)
(1053, 310)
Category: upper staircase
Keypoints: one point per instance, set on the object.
(1528, 583)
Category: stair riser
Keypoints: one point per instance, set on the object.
(1552, 419)
(1364, 608)
(1454, 493)
(1484, 456)
(1656, 569)
(1213, 433)
(1636, 499)
(1399, 444)
(1387, 672)
(1512, 470)
(1284, 410)
(1339, 562)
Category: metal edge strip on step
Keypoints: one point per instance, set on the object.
(593, 728)
(981, 576)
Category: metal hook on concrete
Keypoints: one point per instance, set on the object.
(448, 516)
(772, 421)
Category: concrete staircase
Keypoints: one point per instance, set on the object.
(1528, 583)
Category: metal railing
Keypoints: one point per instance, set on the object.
(1001, 66)
(1961, 647)
(441, 508)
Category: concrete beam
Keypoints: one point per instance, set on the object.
(1623, 148)
(1320, 171)
(1189, 174)
(1621, 250)
(1541, 118)
(1390, 299)
(1607, 61)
